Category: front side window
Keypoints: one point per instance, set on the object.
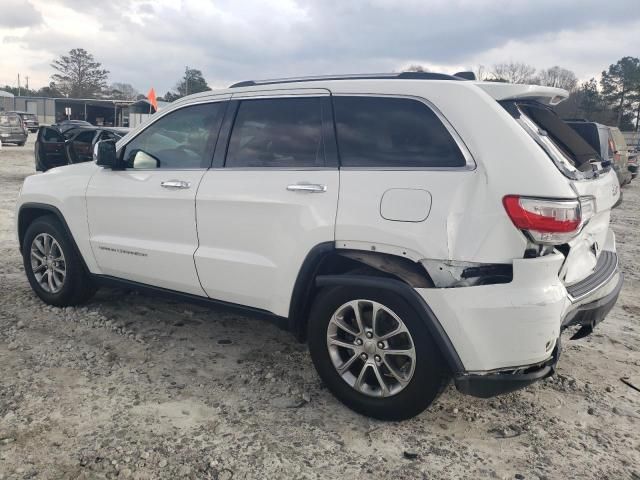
(182, 139)
(277, 132)
(392, 132)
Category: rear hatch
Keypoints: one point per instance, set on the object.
(591, 177)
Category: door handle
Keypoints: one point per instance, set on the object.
(307, 188)
(175, 184)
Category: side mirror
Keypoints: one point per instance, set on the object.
(144, 161)
(104, 153)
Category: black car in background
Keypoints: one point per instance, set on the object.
(30, 120)
(65, 144)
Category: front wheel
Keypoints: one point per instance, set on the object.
(53, 267)
(374, 353)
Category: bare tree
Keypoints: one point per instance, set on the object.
(122, 91)
(482, 73)
(513, 72)
(557, 77)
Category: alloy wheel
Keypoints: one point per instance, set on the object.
(371, 348)
(48, 263)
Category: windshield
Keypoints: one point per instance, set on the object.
(568, 150)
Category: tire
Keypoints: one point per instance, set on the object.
(21, 144)
(75, 287)
(430, 374)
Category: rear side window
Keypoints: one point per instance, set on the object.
(392, 132)
(277, 133)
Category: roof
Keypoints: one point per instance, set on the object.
(356, 76)
(6, 94)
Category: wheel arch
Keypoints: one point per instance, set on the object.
(406, 292)
(327, 266)
(31, 211)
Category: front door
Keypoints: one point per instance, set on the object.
(142, 218)
(274, 199)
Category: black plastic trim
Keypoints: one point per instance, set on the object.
(487, 386)
(497, 383)
(590, 314)
(412, 298)
(604, 270)
(51, 209)
(222, 143)
(113, 282)
(303, 288)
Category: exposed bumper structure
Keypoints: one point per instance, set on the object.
(508, 335)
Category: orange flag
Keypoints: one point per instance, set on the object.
(152, 98)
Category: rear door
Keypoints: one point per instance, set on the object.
(270, 199)
(50, 149)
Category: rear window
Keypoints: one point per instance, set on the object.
(392, 132)
(277, 133)
(568, 150)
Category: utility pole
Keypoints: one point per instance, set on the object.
(27, 77)
(18, 84)
(186, 81)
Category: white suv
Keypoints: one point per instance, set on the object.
(412, 228)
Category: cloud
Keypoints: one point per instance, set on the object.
(150, 43)
(18, 14)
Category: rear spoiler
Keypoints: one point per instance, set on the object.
(511, 91)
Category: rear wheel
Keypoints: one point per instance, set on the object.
(21, 144)
(374, 353)
(54, 269)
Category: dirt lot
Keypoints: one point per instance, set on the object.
(137, 387)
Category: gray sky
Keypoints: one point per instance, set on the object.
(149, 42)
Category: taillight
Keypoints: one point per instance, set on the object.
(549, 221)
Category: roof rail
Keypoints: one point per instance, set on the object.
(363, 76)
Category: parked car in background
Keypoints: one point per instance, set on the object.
(56, 146)
(633, 162)
(12, 129)
(608, 142)
(412, 228)
(30, 120)
(621, 154)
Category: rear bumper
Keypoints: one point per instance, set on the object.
(587, 316)
(13, 137)
(508, 335)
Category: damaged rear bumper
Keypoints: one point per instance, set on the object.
(586, 315)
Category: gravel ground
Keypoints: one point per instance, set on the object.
(130, 386)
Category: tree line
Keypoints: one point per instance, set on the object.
(79, 75)
(614, 99)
